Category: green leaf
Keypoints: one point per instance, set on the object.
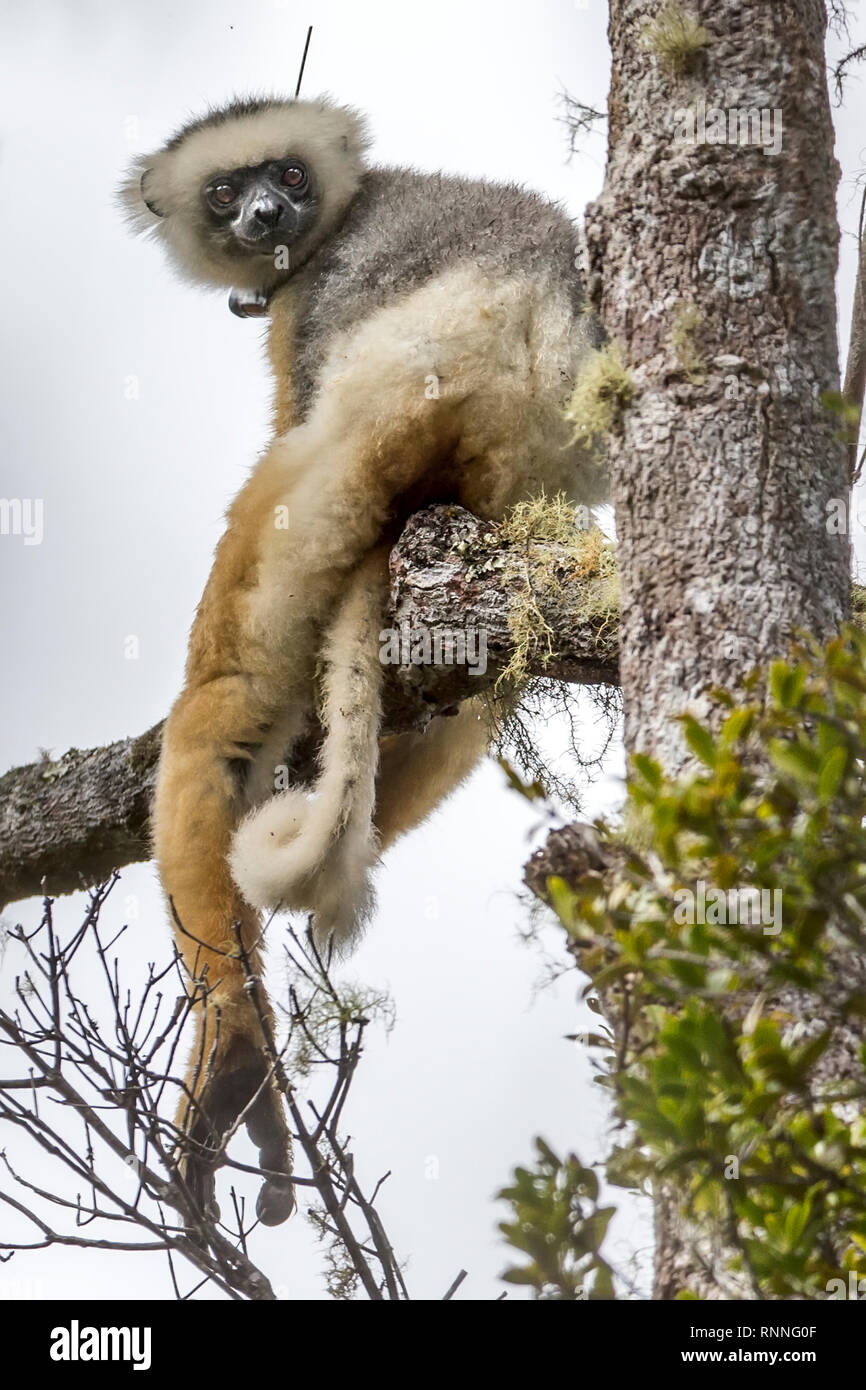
(700, 740)
(592, 1231)
(648, 768)
(563, 900)
(794, 760)
(830, 779)
(787, 684)
(533, 791)
(736, 726)
(520, 1275)
(602, 1283)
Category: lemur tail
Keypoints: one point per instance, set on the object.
(313, 851)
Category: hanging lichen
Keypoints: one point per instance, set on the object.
(603, 390)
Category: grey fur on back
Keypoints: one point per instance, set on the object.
(404, 228)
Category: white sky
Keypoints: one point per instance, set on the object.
(134, 492)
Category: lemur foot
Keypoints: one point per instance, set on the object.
(223, 1099)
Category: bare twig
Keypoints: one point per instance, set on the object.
(109, 1065)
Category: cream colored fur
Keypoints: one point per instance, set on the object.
(371, 434)
(504, 360)
(314, 852)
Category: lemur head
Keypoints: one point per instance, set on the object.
(244, 195)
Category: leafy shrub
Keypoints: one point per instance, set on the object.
(739, 1069)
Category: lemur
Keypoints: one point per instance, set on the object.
(375, 280)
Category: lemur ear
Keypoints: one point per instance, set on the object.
(148, 202)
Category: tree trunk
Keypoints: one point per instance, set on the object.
(713, 266)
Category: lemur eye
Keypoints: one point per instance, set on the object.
(223, 193)
(294, 176)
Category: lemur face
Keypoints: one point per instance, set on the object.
(255, 210)
(244, 195)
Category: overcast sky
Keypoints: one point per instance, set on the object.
(134, 406)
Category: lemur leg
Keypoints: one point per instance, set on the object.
(219, 725)
(222, 726)
(417, 771)
(195, 807)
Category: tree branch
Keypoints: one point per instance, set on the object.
(71, 821)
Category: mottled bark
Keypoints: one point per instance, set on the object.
(713, 265)
(71, 821)
(450, 570)
(726, 461)
(74, 820)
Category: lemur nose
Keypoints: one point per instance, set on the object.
(268, 214)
